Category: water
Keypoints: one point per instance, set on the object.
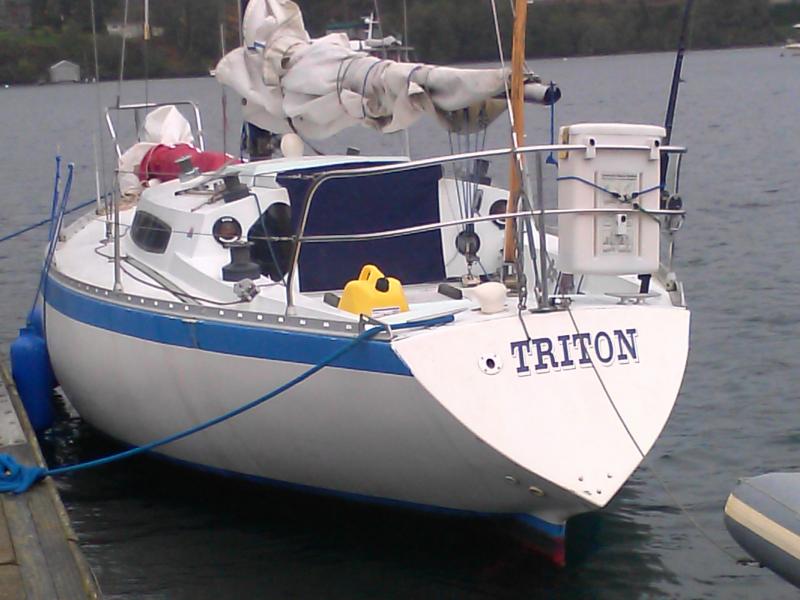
(155, 531)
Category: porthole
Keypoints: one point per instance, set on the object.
(499, 207)
(227, 230)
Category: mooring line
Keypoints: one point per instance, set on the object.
(678, 504)
(18, 478)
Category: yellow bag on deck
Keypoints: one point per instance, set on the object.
(373, 294)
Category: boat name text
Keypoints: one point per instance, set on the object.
(542, 355)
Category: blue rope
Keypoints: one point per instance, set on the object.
(55, 230)
(15, 477)
(621, 197)
(54, 203)
(18, 233)
(18, 478)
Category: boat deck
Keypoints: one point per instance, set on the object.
(39, 553)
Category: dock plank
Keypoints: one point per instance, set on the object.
(31, 560)
(60, 559)
(7, 556)
(39, 553)
(11, 587)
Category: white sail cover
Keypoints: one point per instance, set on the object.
(290, 82)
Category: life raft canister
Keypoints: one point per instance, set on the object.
(373, 294)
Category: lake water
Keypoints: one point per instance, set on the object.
(155, 531)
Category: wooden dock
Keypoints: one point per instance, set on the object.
(39, 553)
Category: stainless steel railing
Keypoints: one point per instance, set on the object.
(320, 178)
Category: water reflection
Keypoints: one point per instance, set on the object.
(185, 534)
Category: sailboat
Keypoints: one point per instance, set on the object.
(449, 351)
(366, 35)
(792, 46)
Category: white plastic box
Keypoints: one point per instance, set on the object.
(622, 158)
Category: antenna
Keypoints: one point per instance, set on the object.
(676, 82)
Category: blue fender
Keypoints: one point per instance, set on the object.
(33, 373)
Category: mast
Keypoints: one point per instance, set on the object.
(518, 126)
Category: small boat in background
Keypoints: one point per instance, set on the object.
(792, 47)
(763, 516)
(366, 35)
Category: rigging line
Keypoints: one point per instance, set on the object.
(302, 138)
(380, 24)
(180, 295)
(241, 27)
(502, 63)
(99, 104)
(653, 470)
(59, 220)
(146, 31)
(19, 232)
(122, 54)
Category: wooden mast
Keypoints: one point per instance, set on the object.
(518, 125)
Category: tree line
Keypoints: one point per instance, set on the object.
(441, 31)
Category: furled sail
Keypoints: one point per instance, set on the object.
(318, 87)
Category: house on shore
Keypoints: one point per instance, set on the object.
(65, 72)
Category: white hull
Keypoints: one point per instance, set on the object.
(463, 402)
(473, 442)
(366, 434)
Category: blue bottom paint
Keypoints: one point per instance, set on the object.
(541, 526)
(551, 530)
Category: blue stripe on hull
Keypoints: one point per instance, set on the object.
(222, 337)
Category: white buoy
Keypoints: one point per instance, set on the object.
(491, 296)
(292, 145)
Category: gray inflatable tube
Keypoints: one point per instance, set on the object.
(763, 516)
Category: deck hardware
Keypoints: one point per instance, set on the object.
(511, 479)
(245, 289)
(632, 297)
(490, 364)
(536, 491)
